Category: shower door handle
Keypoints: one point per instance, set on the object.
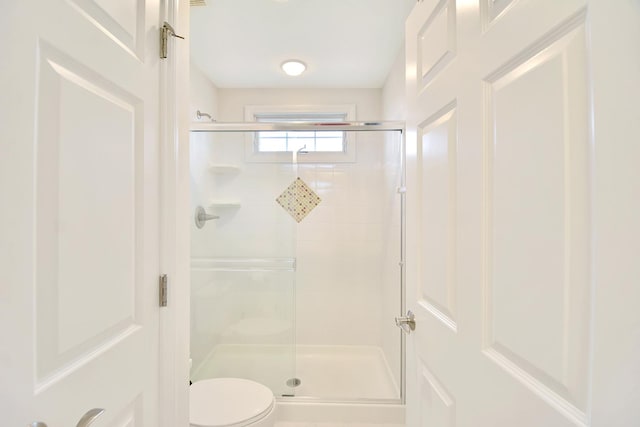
(407, 323)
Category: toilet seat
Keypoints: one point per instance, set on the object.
(228, 402)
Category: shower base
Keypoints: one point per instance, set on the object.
(326, 373)
(344, 373)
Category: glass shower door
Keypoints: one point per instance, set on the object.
(243, 266)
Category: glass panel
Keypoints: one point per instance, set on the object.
(330, 144)
(309, 295)
(272, 144)
(251, 304)
(295, 144)
(273, 134)
(330, 134)
(243, 265)
(348, 278)
(302, 134)
(325, 141)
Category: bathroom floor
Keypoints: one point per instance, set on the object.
(325, 372)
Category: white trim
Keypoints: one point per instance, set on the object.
(253, 156)
(174, 251)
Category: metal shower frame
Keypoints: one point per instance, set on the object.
(363, 126)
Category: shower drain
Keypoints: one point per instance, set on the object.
(293, 382)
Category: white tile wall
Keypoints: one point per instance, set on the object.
(338, 246)
(339, 251)
(347, 248)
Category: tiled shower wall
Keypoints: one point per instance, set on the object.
(203, 97)
(346, 249)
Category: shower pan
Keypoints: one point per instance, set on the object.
(298, 258)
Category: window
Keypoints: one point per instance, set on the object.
(305, 141)
(316, 146)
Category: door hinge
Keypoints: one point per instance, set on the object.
(163, 290)
(166, 31)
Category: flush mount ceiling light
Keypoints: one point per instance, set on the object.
(293, 67)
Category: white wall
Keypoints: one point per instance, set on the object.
(232, 101)
(204, 97)
(394, 105)
(203, 94)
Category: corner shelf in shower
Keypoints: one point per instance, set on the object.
(224, 169)
(225, 204)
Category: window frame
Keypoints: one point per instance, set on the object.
(253, 112)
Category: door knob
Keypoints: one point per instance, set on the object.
(407, 323)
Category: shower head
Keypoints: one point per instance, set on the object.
(200, 114)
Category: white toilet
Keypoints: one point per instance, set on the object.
(231, 402)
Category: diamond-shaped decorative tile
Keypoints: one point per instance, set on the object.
(298, 199)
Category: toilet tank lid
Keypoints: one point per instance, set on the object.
(221, 402)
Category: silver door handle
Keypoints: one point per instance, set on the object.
(407, 323)
(90, 417)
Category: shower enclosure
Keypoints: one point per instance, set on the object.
(297, 258)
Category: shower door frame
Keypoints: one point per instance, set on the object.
(355, 126)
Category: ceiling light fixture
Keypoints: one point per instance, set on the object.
(293, 67)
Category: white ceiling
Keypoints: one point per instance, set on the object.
(345, 43)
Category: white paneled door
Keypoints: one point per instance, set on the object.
(79, 212)
(523, 204)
